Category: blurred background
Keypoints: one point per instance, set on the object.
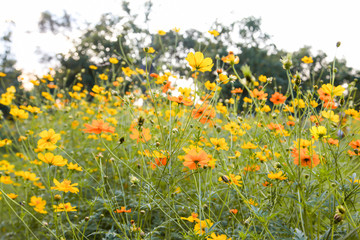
(71, 35)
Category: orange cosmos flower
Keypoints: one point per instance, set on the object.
(237, 90)
(274, 126)
(277, 98)
(98, 126)
(333, 142)
(158, 162)
(290, 123)
(167, 87)
(122, 210)
(252, 168)
(206, 97)
(355, 144)
(266, 183)
(260, 95)
(205, 113)
(324, 96)
(233, 211)
(330, 104)
(305, 158)
(181, 100)
(144, 136)
(231, 58)
(193, 159)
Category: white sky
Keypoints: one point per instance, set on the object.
(291, 24)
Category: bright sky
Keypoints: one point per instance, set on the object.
(291, 24)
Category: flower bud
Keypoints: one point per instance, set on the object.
(287, 62)
(134, 180)
(57, 197)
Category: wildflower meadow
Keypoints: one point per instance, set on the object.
(213, 152)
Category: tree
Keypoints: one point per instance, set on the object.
(7, 61)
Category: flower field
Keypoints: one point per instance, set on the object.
(157, 161)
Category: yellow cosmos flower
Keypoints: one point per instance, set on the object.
(223, 79)
(214, 33)
(51, 159)
(149, 50)
(64, 207)
(199, 227)
(252, 202)
(192, 218)
(330, 115)
(307, 59)
(313, 103)
(75, 167)
(298, 103)
(65, 186)
(38, 203)
(262, 78)
(352, 112)
(5, 142)
(213, 236)
(232, 179)
(279, 175)
(318, 132)
(93, 67)
(248, 145)
(248, 100)
(18, 113)
(26, 175)
(128, 71)
(6, 180)
(197, 62)
(2, 74)
(47, 96)
(331, 90)
(210, 86)
(13, 196)
(185, 91)
(103, 77)
(220, 144)
(114, 60)
(161, 32)
(48, 140)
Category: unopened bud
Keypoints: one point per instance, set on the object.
(57, 197)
